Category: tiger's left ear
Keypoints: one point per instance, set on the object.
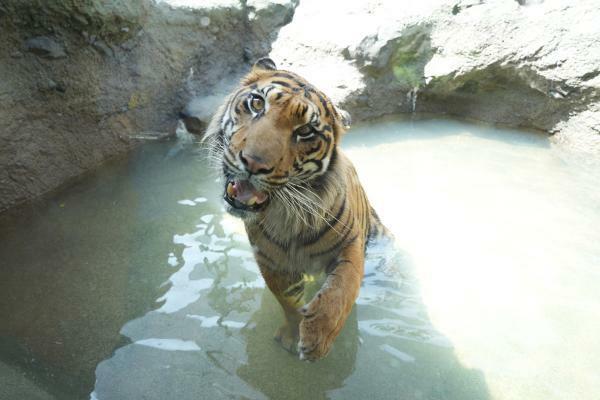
(343, 117)
(265, 63)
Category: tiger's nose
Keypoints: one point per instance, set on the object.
(254, 164)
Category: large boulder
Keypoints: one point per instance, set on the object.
(82, 79)
(533, 64)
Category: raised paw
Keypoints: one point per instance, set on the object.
(323, 318)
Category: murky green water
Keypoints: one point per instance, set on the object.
(134, 284)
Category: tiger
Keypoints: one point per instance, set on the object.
(276, 142)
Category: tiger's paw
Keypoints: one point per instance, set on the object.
(287, 336)
(321, 323)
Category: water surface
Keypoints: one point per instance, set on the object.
(135, 284)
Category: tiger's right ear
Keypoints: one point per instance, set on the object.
(265, 63)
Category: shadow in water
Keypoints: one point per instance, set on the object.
(276, 372)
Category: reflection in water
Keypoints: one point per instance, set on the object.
(216, 266)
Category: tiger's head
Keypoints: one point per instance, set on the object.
(274, 133)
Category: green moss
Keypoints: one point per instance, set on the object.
(409, 58)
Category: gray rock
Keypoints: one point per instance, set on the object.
(264, 18)
(46, 47)
(103, 48)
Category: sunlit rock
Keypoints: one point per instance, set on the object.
(528, 63)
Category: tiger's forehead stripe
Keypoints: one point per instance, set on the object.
(297, 84)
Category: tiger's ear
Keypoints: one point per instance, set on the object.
(265, 63)
(343, 117)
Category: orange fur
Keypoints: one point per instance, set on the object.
(280, 134)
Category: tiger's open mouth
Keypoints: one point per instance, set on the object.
(242, 195)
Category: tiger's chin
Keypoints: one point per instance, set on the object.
(244, 200)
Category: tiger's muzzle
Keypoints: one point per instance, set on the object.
(242, 195)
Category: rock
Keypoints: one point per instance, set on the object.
(132, 66)
(193, 124)
(46, 47)
(207, 90)
(51, 85)
(523, 63)
(267, 16)
(103, 48)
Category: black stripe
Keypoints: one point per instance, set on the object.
(322, 180)
(325, 104)
(284, 75)
(314, 149)
(299, 296)
(266, 257)
(291, 77)
(282, 83)
(328, 226)
(374, 215)
(283, 246)
(323, 136)
(231, 166)
(304, 110)
(339, 243)
(294, 289)
(297, 166)
(230, 153)
(334, 264)
(266, 92)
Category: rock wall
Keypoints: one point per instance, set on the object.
(533, 64)
(82, 79)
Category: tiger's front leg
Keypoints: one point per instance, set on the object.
(324, 316)
(289, 290)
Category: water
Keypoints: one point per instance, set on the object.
(134, 284)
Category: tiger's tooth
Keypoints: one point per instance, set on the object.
(230, 189)
(252, 201)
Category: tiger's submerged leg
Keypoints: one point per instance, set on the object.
(288, 290)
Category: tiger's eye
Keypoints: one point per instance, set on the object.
(304, 130)
(257, 103)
